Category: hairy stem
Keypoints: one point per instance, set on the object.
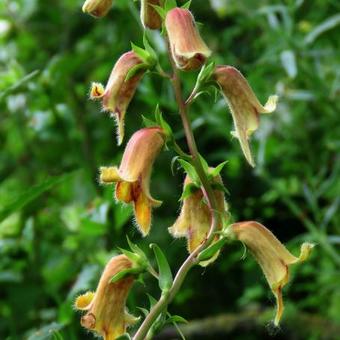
(191, 260)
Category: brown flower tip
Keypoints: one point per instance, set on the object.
(97, 8)
(119, 90)
(271, 255)
(149, 16)
(187, 47)
(105, 309)
(244, 105)
(132, 178)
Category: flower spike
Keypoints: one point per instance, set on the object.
(244, 106)
(271, 255)
(132, 178)
(119, 91)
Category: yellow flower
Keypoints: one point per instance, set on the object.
(271, 255)
(194, 221)
(187, 47)
(133, 176)
(105, 309)
(119, 90)
(97, 8)
(149, 16)
(244, 106)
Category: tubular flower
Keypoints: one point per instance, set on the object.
(271, 255)
(149, 16)
(194, 220)
(119, 90)
(133, 176)
(105, 308)
(244, 106)
(97, 8)
(187, 47)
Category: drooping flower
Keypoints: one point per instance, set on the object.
(105, 308)
(194, 221)
(133, 176)
(97, 8)
(244, 106)
(119, 90)
(149, 16)
(271, 255)
(187, 47)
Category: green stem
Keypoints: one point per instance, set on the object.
(191, 260)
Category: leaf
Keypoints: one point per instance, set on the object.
(125, 336)
(190, 170)
(165, 276)
(46, 332)
(216, 171)
(135, 69)
(189, 189)
(25, 197)
(177, 318)
(124, 273)
(323, 27)
(169, 5)
(186, 5)
(209, 252)
(148, 122)
(288, 62)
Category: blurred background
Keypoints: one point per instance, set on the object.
(58, 227)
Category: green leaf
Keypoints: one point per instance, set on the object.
(204, 164)
(46, 332)
(152, 300)
(169, 5)
(125, 336)
(177, 319)
(209, 252)
(216, 171)
(186, 5)
(132, 256)
(161, 11)
(189, 189)
(135, 69)
(124, 273)
(162, 123)
(22, 199)
(148, 122)
(165, 276)
(190, 170)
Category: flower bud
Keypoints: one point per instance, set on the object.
(133, 176)
(194, 221)
(271, 255)
(149, 16)
(119, 90)
(244, 106)
(105, 309)
(97, 8)
(187, 47)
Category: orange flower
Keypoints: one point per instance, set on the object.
(244, 106)
(149, 16)
(271, 255)
(194, 220)
(97, 8)
(105, 309)
(133, 175)
(119, 90)
(187, 47)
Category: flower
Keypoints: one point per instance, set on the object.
(119, 90)
(105, 309)
(244, 106)
(133, 176)
(187, 47)
(271, 255)
(97, 8)
(149, 16)
(194, 221)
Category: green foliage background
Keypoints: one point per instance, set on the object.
(59, 227)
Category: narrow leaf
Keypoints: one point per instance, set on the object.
(209, 252)
(165, 275)
(22, 199)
